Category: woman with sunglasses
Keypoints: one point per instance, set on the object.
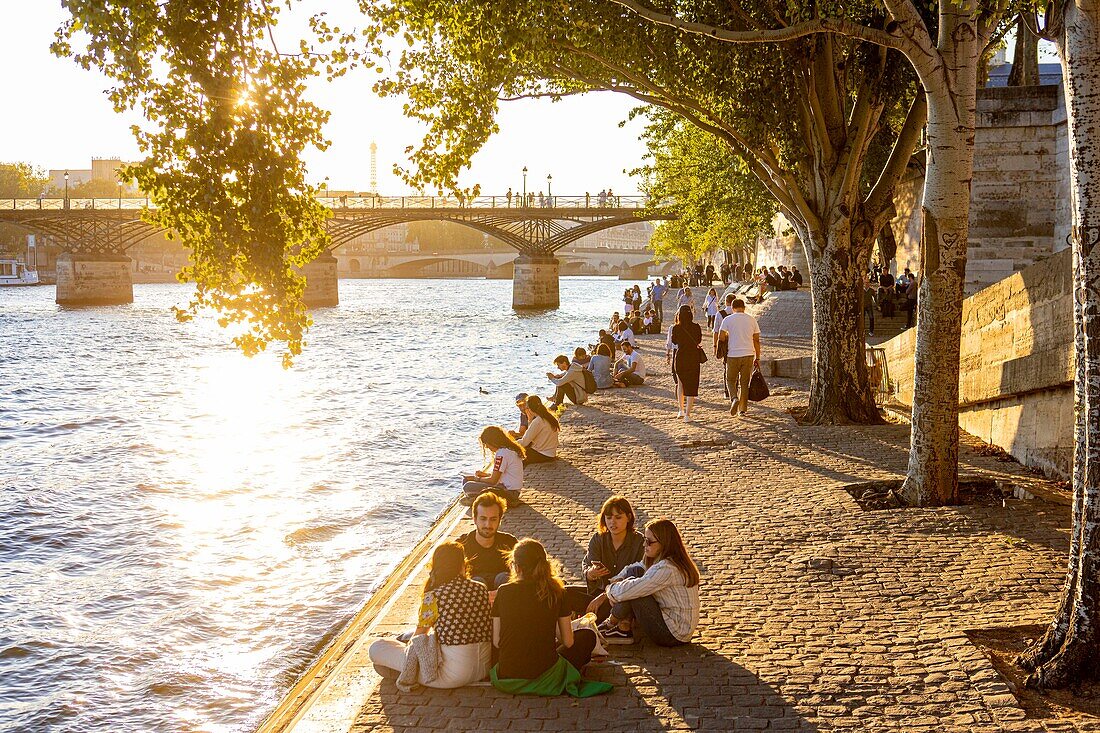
(660, 595)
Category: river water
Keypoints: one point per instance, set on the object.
(181, 527)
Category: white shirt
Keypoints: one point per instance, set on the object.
(541, 437)
(711, 305)
(667, 584)
(740, 327)
(627, 335)
(635, 358)
(510, 466)
(719, 318)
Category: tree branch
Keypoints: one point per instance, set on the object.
(789, 33)
(881, 195)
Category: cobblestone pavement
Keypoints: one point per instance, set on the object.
(815, 615)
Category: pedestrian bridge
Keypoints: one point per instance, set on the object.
(95, 234)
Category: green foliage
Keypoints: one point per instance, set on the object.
(721, 205)
(227, 122)
(21, 180)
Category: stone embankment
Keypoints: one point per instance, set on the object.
(816, 615)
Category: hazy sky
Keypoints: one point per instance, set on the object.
(58, 117)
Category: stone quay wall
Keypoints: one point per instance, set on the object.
(1016, 371)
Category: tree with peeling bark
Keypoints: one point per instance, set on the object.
(1069, 651)
(827, 124)
(720, 205)
(945, 51)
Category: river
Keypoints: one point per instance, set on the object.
(181, 528)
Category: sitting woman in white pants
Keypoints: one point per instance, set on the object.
(458, 610)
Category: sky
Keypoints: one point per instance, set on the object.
(57, 116)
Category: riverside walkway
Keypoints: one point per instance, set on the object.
(816, 615)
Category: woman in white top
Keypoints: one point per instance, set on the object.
(541, 437)
(685, 299)
(503, 474)
(711, 306)
(659, 595)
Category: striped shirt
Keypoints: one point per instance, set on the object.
(668, 586)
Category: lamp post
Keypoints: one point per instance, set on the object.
(524, 185)
(120, 196)
(66, 190)
(549, 195)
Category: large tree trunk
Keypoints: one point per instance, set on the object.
(1025, 59)
(1070, 649)
(840, 391)
(932, 477)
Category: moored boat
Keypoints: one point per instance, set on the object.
(15, 272)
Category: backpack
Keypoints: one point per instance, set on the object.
(589, 381)
(723, 346)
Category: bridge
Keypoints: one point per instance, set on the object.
(95, 234)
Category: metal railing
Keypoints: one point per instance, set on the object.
(356, 203)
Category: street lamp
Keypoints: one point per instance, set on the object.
(548, 194)
(524, 185)
(66, 189)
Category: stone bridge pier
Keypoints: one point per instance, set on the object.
(535, 282)
(638, 272)
(94, 279)
(322, 284)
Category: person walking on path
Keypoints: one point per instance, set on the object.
(710, 305)
(869, 305)
(741, 333)
(685, 299)
(660, 594)
(659, 291)
(687, 337)
(529, 618)
(454, 607)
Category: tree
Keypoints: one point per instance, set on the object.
(824, 123)
(96, 188)
(1025, 58)
(721, 206)
(226, 124)
(21, 180)
(1070, 648)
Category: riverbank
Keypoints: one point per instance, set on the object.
(815, 613)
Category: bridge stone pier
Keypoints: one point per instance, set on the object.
(94, 279)
(322, 284)
(535, 282)
(638, 272)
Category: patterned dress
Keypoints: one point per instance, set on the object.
(459, 611)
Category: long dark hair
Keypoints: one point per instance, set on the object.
(494, 436)
(448, 563)
(683, 316)
(673, 549)
(534, 404)
(530, 563)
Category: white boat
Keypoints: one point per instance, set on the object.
(15, 272)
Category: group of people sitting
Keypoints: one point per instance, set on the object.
(495, 606)
(888, 295)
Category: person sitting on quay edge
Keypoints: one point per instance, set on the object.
(521, 403)
(632, 368)
(581, 357)
(503, 474)
(529, 618)
(626, 334)
(600, 366)
(616, 544)
(659, 596)
(456, 607)
(608, 340)
(486, 547)
(568, 384)
(613, 324)
(541, 438)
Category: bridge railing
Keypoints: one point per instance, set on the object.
(515, 201)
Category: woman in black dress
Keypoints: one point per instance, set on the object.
(687, 337)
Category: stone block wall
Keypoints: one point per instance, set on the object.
(1016, 368)
(776, 251)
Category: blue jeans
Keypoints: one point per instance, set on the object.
(646, 613)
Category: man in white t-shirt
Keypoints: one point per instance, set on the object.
(626, 334)
(632, 371)
(742, 334)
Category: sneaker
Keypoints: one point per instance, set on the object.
(615, 635)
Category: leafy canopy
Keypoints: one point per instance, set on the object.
(227, 120)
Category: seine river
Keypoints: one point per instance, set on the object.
(181, 528)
